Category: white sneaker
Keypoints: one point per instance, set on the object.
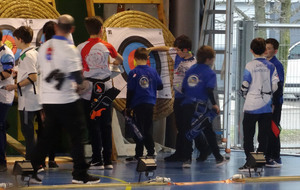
(109, 166)
(187, 164)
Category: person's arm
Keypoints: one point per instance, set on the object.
(29, 80)
(5, 74)
(159, 48)
(118, 60)
(210, 93)
(77, 75)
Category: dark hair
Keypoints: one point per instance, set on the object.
(183, 42)
(258, 46)
(205, 52)
(1, 35)
(141, 53)
(48, 29)
(274, 42)
(24, 33)
(93, 24)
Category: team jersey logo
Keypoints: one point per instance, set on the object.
(99, 88)
(144, 82)
(49, 53)
(193, 80)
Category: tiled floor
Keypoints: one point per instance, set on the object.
(125, 176)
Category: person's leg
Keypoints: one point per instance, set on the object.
(139, 114)
(106, 135)
(47, 135)
(27, 127)
(276, 116)
(212, 139)
(187, 146)
(178, 111)
(202, 145)
(264, 131)
(148, 128)
(3, 113)
(73, 121)
(249, 123)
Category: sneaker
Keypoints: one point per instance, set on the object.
(35, 179)
(52, 164)
(131, 159)
(96, 165)
(40, 169)
(3, 168)
(245, 168)
(222, 161)
(274, 163)
(87, 179)
(173, 158)
(187, 164)
(203, 156)
(108, 165)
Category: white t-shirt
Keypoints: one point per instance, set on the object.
(97, 62)
(29, 101)
(6, 58)
(58, 53)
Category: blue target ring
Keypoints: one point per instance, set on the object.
(127, 49)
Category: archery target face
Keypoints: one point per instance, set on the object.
(126, 41)
(8, 25)
(127, 50)
(9, 40)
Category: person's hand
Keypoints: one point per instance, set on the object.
(11, 87)
(216, 108)
(83, 87)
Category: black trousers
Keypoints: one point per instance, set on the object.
(100, 133)
(200, 141)
(70, 116)
(27, 128)
(188, 111)
(144, 122)
(264, 131)
(273, 150)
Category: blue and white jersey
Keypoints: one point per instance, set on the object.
(195, 83)
(144, 81)
(260, 74)
(280, 72)
(7, 62)
(181, 65)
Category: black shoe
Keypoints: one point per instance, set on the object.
(40, 169)
(52, 164)
(203, 156)
(173, 158)
(222, 161)
(3, 168)
(245, 168)
(131, 159)
(87, 179)
(96, 165)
